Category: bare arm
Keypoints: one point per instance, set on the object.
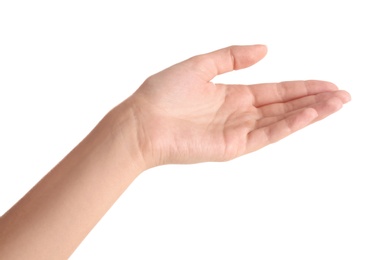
(177, 116)
(52, 219)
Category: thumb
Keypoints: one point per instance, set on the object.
(227, 59)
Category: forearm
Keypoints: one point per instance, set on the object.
(52, 219)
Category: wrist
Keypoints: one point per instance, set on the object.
(124, 132)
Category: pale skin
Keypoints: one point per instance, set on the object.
(177, 116)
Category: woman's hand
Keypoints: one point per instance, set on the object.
(176, 116)
(182, 117)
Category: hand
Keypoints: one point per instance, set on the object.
(182, 117)
(176, 116)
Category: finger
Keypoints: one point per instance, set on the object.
(272, 129)
(263, 136)
(278, 130)
(296, 104)
(264, 94)
(323, 108)
(326, 108)
(224, 60)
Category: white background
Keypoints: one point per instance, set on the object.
(322, 193)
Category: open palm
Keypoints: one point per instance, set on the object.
(185, 118)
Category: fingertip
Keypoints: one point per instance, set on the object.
(261, 51)
(346, 97)
(246, 55)
(312, 112)
(262, 48)
(335, 104)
